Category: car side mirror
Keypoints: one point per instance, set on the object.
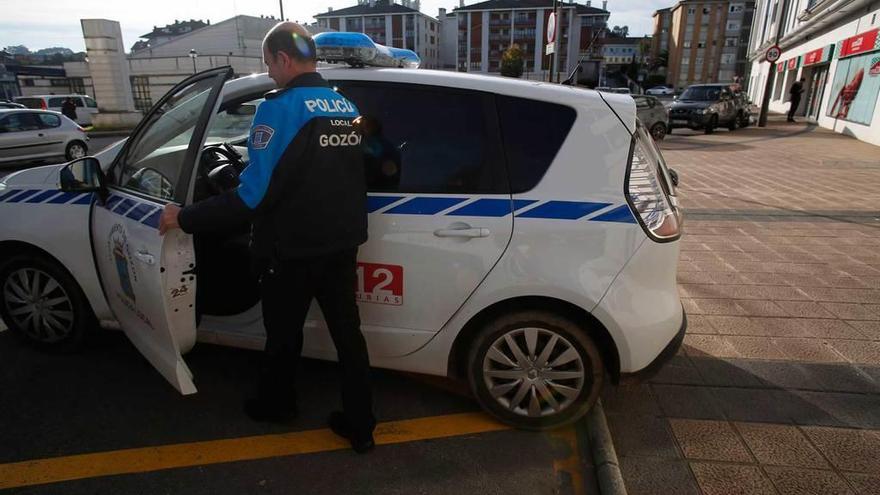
(674, 176)
(83, 175)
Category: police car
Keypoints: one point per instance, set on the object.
(523, 237)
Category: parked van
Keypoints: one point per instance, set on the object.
(86, 106)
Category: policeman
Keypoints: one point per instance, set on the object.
(304, 192)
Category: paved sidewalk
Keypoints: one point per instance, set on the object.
(777, 386)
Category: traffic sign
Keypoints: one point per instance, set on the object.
(551, 28)
(551, 47)
(773, 54)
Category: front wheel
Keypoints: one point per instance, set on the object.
(42, 304)
(711, 125)
(535, 370)
(733, 124)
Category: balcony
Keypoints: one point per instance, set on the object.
(528, 21)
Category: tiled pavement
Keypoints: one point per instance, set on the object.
(777, 386)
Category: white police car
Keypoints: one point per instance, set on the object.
(523, 236)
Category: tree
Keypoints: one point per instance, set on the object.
(512, 61)
(620, 31)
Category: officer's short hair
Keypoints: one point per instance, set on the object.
(285, 38)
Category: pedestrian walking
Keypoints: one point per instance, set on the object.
(307, 204)
(68, 109)
(796, 90)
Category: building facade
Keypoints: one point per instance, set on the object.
(835, 46)
(662, 29)
(708, 41)
(487, 29)
(399, 25)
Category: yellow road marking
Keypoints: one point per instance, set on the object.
(571, 464)
(141, 460)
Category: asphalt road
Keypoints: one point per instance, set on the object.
(106, 399)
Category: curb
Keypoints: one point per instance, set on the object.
(604, 456)
(97, 134)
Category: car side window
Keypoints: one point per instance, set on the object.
(155, 157)
(19, 122)
(426, 139)
(531, 147)
(48, 120)
(56, 102)
(78, 102)
(91, 103)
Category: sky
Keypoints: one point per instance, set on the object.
(51, 23)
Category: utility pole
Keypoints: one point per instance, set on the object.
(556, 42)
(771, 77)
(281, 4)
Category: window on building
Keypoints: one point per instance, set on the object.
(140, 91)
(692, 10)
(701, 44)
(728, 58)
(77, 86)
(706, 10)
(733, 26)
(685, 60)
(687, 44)
(736, 8)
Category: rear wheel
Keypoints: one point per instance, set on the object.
(535, 370)
(658, 131)
(76, 149)
(42, 304)
(733, 124)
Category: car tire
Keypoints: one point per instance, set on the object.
(534, 388)
(743, 119)
(733, 124)
(710, 126)
(63, 315)
(76, 149)
(659, 131)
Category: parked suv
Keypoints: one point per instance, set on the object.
(86, 106)
(32, 135)
(523, 237)
(706, 106)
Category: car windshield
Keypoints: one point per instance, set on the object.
(701, 93)
(233, 124)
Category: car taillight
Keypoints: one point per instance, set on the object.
(649, 190)
(43, 104)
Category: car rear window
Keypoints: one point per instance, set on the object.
(533, 131)
(49, 120)
(30, 102)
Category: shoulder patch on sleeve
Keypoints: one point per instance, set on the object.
(260, 136)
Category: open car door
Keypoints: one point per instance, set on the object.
(148, 279)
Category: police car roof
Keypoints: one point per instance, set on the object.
(494, 84)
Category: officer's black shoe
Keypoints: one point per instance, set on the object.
(339, 425)
(269, 411)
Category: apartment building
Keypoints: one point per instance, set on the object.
(390, 23)
(835, 46)
(707, 40)
(487, 29)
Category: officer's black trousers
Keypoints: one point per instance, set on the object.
(287, 291)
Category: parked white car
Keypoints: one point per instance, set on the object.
(660, 91)
(86, 106)
(35, 135)
(523, 237)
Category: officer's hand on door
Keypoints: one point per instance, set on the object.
(168, 220)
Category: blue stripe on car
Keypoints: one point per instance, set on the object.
(424, 206)
(375, 203)
(139, 211)
(563, 210)
(491, 207)
(23, 195)
(43, 196)
(9, 194)
(153, 220)
(621, 214)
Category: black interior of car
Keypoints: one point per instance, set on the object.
(227, 282)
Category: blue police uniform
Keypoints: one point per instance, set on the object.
(304, 192)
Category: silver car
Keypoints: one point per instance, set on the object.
(33, 135)
(653, 114)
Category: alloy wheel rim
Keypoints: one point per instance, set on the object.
(77, 151)
(38, 304)
(534, 372)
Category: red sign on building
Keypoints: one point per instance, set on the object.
(865, 42)
(793, 63)
(819, 55)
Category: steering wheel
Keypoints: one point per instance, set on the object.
(220, 166)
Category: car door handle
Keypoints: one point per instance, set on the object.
(470, 233)
(40, 134)
(145, 257)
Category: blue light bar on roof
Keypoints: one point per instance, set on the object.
(358, 50)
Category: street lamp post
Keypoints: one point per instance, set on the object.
(193, 54)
